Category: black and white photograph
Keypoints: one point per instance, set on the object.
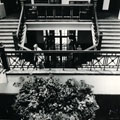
(59, 59)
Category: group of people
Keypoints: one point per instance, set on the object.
(74, 59)
(39, 57)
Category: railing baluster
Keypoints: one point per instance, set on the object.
(118, 62)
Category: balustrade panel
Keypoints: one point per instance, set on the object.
(80, 60)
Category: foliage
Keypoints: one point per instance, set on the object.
(49, 99)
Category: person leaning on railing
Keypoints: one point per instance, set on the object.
(78, 57)
(39, 58)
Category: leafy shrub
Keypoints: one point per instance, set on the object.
(49, 99)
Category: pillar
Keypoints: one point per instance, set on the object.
(65, 1)
(106, 4)
(32, 2)
(119, 15)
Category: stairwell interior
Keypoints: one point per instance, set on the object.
(109, 29)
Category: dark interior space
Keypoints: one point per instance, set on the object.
(11, 6)
(85, 40)
(109, 107)
(99, 5)
(112, 13)
(114, 5)
(6, 109)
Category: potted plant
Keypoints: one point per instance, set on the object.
(49, 99)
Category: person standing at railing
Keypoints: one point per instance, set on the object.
(78, 57)
(39, 58)
(71, 46)
(72, 43)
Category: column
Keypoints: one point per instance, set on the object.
(119, 15)
(32, 2)
(106, 4)
(65, 1)
(2, 10)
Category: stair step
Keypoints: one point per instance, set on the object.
(111, 45)
(109, 49)
(8, 23)
(108, 20)
(9, 49)
(6, 37)
(108, 23)
(110, 42)
(9, 20)
(6, 41)
(7, 30)
(111, 38)
(109, 30)
(110, 34)
(9, 27)
(109, 27)
(8, 45)
(5, 34)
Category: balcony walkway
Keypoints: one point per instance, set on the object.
(64, 71)
(104, 84)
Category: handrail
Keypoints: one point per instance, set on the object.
(96, 24)
(23, 47)
(20, 20)
(24, 36)
(59, 5)
(93, 60)
(65, 51)
(91, 47)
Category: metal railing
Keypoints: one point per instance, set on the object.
(96, 28)
(24, 35)
(18, 34)
(85, 60)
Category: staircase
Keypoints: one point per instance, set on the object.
(7, 27)
(110, 30)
